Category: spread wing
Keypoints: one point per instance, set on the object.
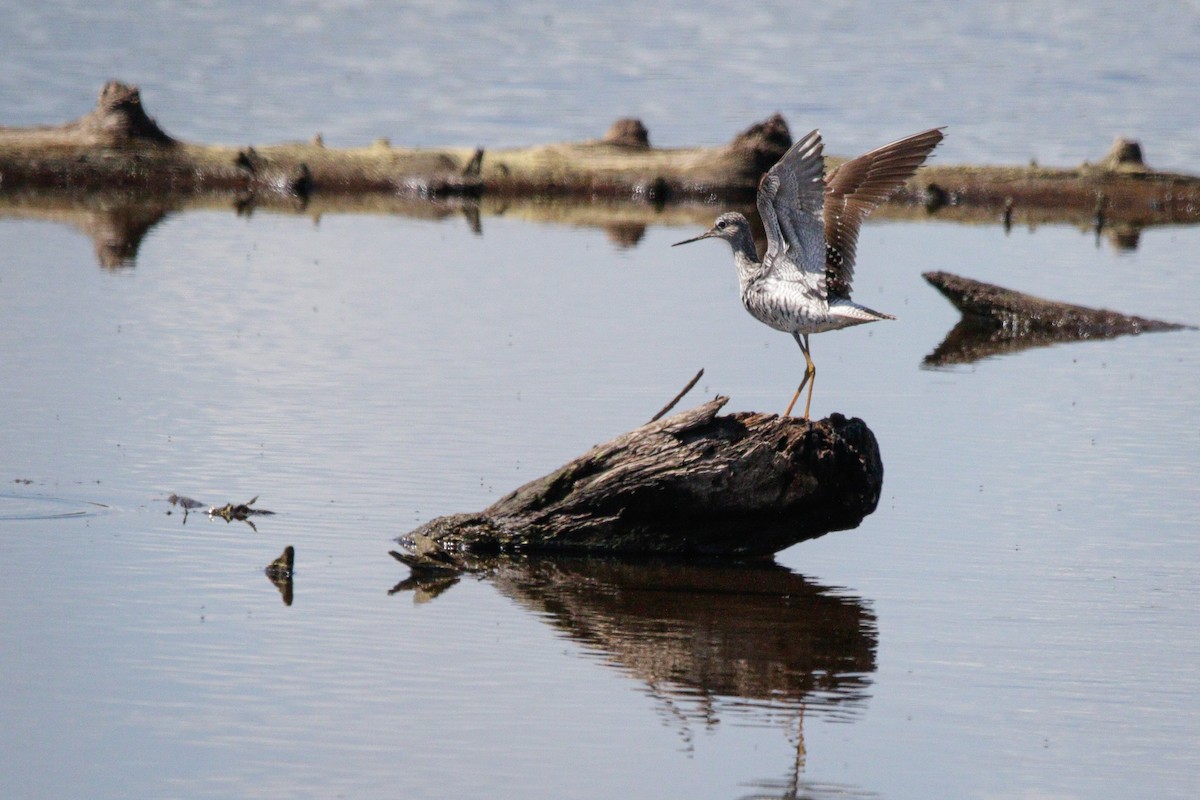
(790, 197)
(855, 188)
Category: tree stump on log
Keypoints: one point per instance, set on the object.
(744, 484)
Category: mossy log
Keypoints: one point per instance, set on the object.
(119, 147)
(692, 484)
(997, 320)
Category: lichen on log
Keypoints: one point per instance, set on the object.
(695, 483)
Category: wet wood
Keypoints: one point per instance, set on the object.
(998, 320)
(695, 483)
(119, 147)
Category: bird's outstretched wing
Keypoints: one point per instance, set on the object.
(853, 191)
(790, 197)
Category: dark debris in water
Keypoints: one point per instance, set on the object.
(228, 512)
(186, 503)
(279, 572)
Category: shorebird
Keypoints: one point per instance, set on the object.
(802, 284)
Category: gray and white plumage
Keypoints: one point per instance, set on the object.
(802, 284)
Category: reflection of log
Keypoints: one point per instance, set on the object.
(118, 146)
(694, 483)
(700, 633)
(998, 320)
(279, 572)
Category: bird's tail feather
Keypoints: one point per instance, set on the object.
(854, 313)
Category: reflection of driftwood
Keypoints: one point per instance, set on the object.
(694, 483)
(698, 634)
(998, 320)
(117, 221)
(118, 146)
(279, 572)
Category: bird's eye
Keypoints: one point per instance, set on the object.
(721, 224)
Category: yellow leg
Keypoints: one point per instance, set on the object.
(796, 396)
(810, 374)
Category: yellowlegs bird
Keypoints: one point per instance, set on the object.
(802, 285)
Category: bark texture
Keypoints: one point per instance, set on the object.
(744, 484)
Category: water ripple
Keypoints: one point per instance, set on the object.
(15, 507)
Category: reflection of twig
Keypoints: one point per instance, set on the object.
(678, 397)
(674, 710)
(801, 754)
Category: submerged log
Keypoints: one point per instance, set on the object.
(998, 320)
(119, 147)
(695, 483)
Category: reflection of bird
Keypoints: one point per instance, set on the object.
(802, 285)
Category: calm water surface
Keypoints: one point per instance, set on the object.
(1018, 618)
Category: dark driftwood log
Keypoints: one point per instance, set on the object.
(118, 147)
(998, 320)
(694, 483)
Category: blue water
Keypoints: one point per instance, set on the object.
(1024, 596)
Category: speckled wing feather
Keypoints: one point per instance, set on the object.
(789, 200)
(855, 188)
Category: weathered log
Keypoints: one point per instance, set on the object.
(744, 484)
(997, 320)
(621, 166)
(117, 146)
(714, 633)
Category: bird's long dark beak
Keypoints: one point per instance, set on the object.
(704, 235)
